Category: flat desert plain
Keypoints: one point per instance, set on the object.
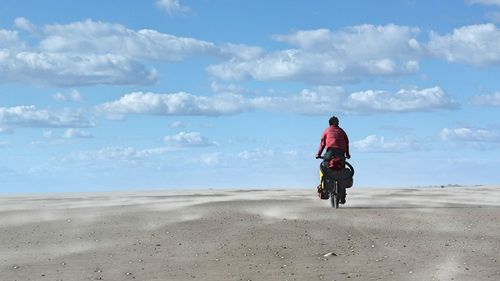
(419, 234)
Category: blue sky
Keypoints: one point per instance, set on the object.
(113, 95)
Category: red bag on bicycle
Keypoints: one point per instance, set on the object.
(336, 163)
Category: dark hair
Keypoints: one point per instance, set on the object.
(333, 121)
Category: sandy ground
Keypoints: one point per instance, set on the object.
(383, 234)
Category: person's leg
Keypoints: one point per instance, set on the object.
(322, 192)
(326, 161)
(328, 155)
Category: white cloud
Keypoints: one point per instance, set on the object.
(491, 100)
(308, 39)
(240, 51)
(187, 139)
(73, 133)
(323, 56)
(226, 88)
(177, 124)
(474, 44)
(210, 159)
(25, 24)
(470, 135)
(31, 117)
(117, 153)
(360, 41)
(405, 100)
(59, 97)
(91, 53)
(95, 37)
(175, 104)
(172, 6)
(484, 2)
(256, 154)
(9, 39)
(374, 143)
(66, 69)
(325, 100)
(316, 101)
(74, 96)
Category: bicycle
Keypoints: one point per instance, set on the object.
(332, 181)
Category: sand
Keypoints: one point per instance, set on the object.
(382, 234)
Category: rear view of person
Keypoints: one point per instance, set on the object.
(336, 142)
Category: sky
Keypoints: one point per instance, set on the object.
(140, 95)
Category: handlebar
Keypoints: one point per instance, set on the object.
(322, 157)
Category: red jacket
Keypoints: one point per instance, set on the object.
(334, 137)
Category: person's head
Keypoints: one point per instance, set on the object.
(333, 121)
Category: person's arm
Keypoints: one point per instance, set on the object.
(322, 144)
(347, 154)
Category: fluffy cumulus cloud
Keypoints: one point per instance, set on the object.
(71, 69)
(374, 143)
(175, 104)
(60, 60)
(316, 101)
(487, 100)
(172, 6)
(323, 56)
(97, 37)
(31, 117)
(470, 135)
(187, 139)
(474, 44)
(93, 52)
(326, 99)
(361, 41)
(24, 24)
(405, 100)
(9, 39)
(484, 2)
